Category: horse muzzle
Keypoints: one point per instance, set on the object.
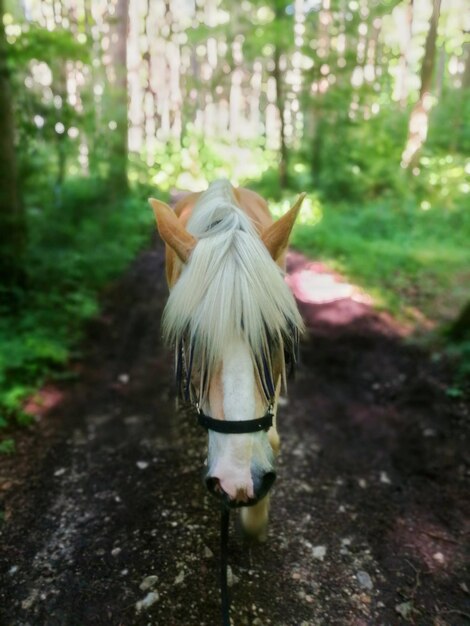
(262, 483)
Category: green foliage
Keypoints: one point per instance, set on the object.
(197, 160)
(48, 46)
(75, 247)
(7, 446)
(461, 353)
(358, 160)
(449, 130)
(454, 392)
(409, 255)
(268, 185)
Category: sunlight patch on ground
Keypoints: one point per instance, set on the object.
(43, 401)
(312, 285)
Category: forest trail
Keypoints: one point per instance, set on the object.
(368, 514)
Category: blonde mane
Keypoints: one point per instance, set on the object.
(230, 288)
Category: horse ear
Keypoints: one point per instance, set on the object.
(171, 230)
(276, 236)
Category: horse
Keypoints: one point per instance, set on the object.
(235, 328)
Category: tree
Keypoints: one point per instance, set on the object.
(460, 328)
(404, 20)
(12, 219)
(118, 93)
(280, 99)
(418, 124)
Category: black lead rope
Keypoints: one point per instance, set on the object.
(225, 600)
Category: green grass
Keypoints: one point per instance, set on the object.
(75, 247)
(413, 262)
(407, 257)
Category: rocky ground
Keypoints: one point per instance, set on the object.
(106, 521)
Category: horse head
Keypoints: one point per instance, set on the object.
(234, 325)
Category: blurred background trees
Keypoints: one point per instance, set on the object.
(12, 219)
(363, 104)
(273, 77)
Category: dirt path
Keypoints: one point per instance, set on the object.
(370, 512)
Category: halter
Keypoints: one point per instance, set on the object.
(227, 427)
(236, 427)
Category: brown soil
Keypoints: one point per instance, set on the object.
(370, 513)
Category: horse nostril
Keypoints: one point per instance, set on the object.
(213, 485)
(262, 484)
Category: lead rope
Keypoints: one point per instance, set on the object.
(225, 600)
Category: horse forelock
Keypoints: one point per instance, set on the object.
(230, 288)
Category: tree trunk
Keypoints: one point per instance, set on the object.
(317, 145)
(418, 125)
(12, 219)
(60, 88)
(299, 30)
(118, 91)
(460, 328)
(283, 161)
(405, 47)
(466, 71)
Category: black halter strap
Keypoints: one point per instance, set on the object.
(238, 427)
